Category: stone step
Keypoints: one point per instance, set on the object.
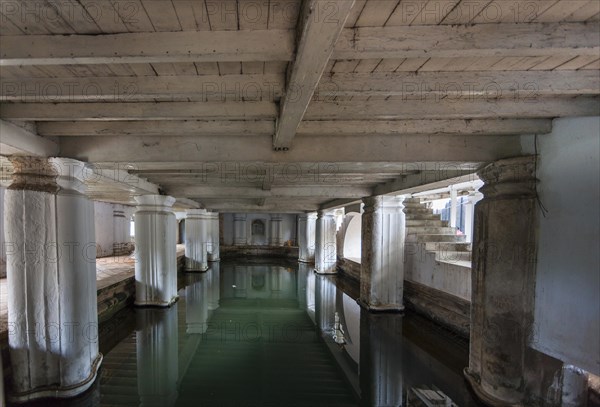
(436, 230)
(447, 246)
(422, 216)
(440, 238)
(452, 256)
(426, 222)
(418, 209)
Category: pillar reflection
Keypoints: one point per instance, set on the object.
(380, 366)
(157, 358)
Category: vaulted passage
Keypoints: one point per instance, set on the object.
(417, 176)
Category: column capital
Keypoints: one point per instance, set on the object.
(155, 202)
(276, 217)
(239, 216)
(511, 177)
(33, 174)
(197, 214)
(323, 213)
(373, 203)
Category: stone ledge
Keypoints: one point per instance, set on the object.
(290, 252)
(446, 309)
(349, 268)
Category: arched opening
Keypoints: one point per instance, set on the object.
(181, 231)
(258, 232)
(353, 238)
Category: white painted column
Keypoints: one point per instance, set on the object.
(453, 207)
(306, 237)
(196, 237)
(276, 238)
(156, 249)
(121, 240)
(51, 275)
(382, 260)
(213, 253)
(239, 229)
(325, 244)
(474, 197)
(157, 357)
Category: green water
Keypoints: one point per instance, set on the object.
(262, 334)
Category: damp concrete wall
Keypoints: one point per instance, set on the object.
(567, 302)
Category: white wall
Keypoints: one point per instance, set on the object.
(288, 225)
(567, 303)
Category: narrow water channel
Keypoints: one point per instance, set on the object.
(263, 333)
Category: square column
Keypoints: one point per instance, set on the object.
(51, 273)
(382, 261)
(214, 247)
(325, 244)
(156, 249)
(276, 238)
(239, 229)
(306, 237)
(504, 256)
(197, 225)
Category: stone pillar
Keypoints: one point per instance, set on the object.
(306, 237)
(51, 275)
(473, 198)
(380, 367)
(325, 244)
(157, 357)
(382, 261)
(276, 238)
(196, 237)
(213, 254)
(504, 255)
(156, 248)
(121, 239)
(239, 229)
(453, 207)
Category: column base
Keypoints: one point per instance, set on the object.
(57, 391)
(195, 270)
(380, 308)
(482, 395)
(326, 272)
(159, 304)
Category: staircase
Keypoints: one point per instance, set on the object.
(423, 226)
(437, 268)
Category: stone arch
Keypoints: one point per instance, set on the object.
(350, 237)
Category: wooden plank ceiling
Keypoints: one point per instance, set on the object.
(104, 74)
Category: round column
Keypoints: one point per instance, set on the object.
(276, 230)
(51, 273)
(382, 260)
(504, 254)
(239, 229)
(196, 238)
(306, 237)
(325, 244)
(156, 249)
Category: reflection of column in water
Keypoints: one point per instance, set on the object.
(325, 304)
(380, 366)
(196, 303)
(214, 286)
(275, 276)
(301, 285)
(240, 276)
(310, 295)
(157, 359)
